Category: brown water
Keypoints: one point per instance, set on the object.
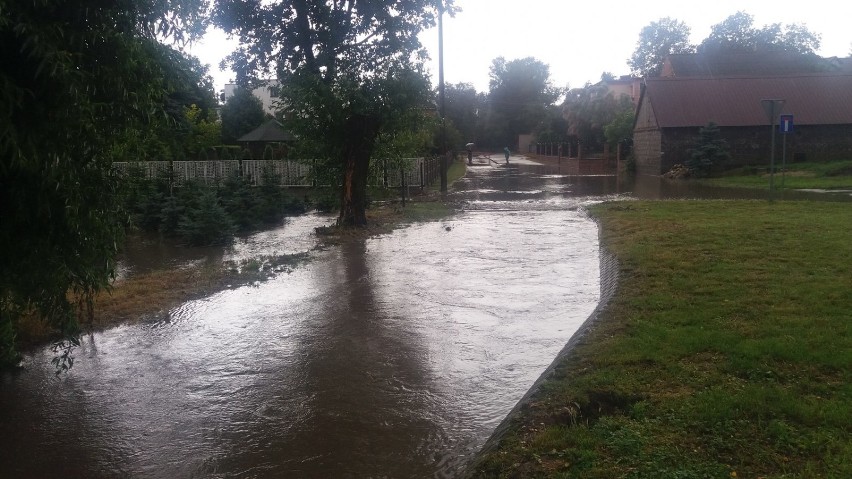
(391, 357)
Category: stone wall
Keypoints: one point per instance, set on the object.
(749, 146)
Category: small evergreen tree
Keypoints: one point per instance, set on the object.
(710, 151)
(241, 114)
(205, 222)
(240, 201)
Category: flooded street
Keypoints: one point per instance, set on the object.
(391, 357)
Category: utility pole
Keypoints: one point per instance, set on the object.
(441, 97)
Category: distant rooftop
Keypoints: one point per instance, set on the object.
(751, 64)
(814, 99)
(269, 132)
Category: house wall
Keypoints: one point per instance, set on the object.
(264, 93)
(631, 88)
(750, 146)
(821, 143)
(647, 141)
(526, 143)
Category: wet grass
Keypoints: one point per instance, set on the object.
(725, 353)
(833, 175)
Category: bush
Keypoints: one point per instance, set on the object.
(201, 215)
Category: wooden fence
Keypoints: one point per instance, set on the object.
(291, 173)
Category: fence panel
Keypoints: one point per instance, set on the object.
(420, 171)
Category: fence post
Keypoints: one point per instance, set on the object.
(385, 172)
(402, 184)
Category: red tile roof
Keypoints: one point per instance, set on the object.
(688, 102)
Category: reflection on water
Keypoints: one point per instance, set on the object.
(146, 252)
(391, 357)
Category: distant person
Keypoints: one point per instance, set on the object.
(469, 153)
(507, 153)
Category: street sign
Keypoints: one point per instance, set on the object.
(772, 107)
(785, 124)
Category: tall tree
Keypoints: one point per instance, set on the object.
(737, 34)
(519, 94)
(241, 114)
(185, 85)
(348, 70)
(656, 41)
(74, 79)
(589, 110)
(463, 105)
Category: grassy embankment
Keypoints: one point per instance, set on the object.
(726, 351)
(154, 292)
(833, 175)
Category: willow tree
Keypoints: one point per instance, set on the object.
(349, 71)
(75, 80)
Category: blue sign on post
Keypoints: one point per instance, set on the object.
(785, 124)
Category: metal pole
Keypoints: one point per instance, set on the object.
(442, 96)
(783, 158)
(772, 159)
(773, 108)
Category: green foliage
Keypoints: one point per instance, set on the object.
(553, 127)
(621, 127)
(8, 335)
(202, 215)
(144, 199)
(241, 114)
(408, 143)
(737, 34)
(449, 135)
(520, 93)
(75, 82)
(462, 104)
(348, 71)
(205, 221)
(590, 109)
(710, 151)
(186, 121)
(657, 40)
(204, 132)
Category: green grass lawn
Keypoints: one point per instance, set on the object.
(834, 175)
(725, 353)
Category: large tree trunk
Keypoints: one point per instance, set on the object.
(360, 139)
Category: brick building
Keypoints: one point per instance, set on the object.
(698, 90)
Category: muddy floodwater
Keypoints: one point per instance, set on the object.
(391, 357)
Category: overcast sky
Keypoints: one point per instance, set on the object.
(579, 40)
